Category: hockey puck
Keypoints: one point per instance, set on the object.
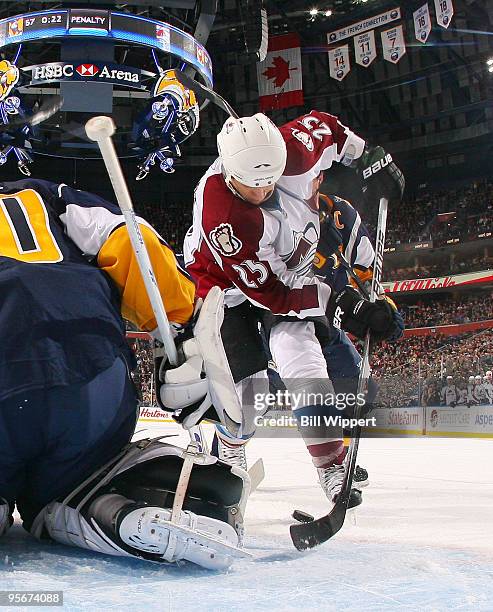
(302, 517)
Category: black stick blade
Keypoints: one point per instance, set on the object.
(309, 535)
(47, 110)
(205, 92)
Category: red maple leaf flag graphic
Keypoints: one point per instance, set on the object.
(279, 71)
(279, 75)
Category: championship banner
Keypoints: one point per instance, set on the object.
(422, 23)
(444, 11)
(365, 48)
(393, 44)
(279, 76)
(339, 66)
(363, 26)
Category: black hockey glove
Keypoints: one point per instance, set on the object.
(381, 176)
(349, 311)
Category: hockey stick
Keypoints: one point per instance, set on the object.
(313, 533)
(42, 114)
(101, 129)
(205, 92)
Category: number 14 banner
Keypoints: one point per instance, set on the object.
(339, 66)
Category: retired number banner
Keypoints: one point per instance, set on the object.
(393, 44)
(339, 66)
(422, 23)
(444, 10)
(365, 49)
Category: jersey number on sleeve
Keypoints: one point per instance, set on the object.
(25, 232)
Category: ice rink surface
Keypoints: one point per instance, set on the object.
(422, 540)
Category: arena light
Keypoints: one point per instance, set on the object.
(328, 13)
(313, 12)
(490, 61)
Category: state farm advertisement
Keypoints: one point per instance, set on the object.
(442, 282)
(395, 421)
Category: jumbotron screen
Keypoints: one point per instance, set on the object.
(106, 24)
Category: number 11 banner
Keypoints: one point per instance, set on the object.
(393, 44)
(339, 66)
(365, 49)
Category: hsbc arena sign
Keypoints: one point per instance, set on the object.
(86, 71)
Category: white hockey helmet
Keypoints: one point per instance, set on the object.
(252, 150)
(478, 378)
(471, 378)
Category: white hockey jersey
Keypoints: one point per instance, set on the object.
(265, 253)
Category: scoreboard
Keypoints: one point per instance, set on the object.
(105, 24)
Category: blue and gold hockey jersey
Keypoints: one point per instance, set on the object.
(67, 275)
(356, 246)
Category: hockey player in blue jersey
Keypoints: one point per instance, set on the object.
(68, 406)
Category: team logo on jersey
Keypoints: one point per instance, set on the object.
(9, 75)
(301, 257)
(224, 240)
(304, 138)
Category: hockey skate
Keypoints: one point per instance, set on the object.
(331, 480)
(202, 540)
(230, 453)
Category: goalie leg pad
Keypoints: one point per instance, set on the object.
(146, 475)
(200, 539)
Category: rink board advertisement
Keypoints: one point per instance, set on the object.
(440, 282)
(153, 414)
(459, 422)
(397, 421)
(434, 421)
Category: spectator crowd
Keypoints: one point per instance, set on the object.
(419, 218)
(450, 311)
(415, 369)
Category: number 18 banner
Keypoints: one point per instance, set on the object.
(444, 10)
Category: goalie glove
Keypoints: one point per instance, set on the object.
(349, 311)
(381, 176)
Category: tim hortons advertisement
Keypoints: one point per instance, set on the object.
(441, 282)
(154, 414)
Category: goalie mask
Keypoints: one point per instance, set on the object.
(175, 108)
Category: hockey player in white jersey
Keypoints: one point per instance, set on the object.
(488, 389)
(258, 244)
(479, 391)
(471, 398)
(449, 393)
